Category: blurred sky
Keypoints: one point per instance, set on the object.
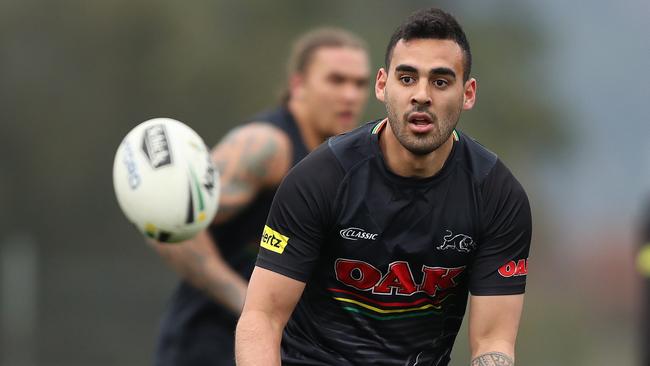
(598, 67)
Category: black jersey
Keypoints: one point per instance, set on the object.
(388, 261)
(192, 315)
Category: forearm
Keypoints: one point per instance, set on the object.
(493, 325)
(492, 352)
(220, 282)
(198, 262)
(493, 358)
(257, 340)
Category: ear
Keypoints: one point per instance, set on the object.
(469, 97)
(296, 83)
(380, 84)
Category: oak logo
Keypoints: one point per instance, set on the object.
(398, 279)
(273, 240)
(510, 269)
(355, 233)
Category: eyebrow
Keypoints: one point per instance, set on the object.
(406, 68)
(442, 71)
(434, 71)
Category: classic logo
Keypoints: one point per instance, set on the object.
(511, 268)
(156, 146)
(131, 168)
(398, 280)
(273, 240)
(459, 242)
(355, 233)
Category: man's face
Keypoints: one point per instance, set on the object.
(334, 88)
(424, 92)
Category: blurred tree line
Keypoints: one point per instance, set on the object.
(76, 76)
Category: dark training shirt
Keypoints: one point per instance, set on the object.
(388, 261)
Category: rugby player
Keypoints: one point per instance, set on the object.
(375, 240)
(327, 90)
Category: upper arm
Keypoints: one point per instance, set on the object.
(500, 262)
(493, 323)
(301, 216)
(249, 158)
(273, 294)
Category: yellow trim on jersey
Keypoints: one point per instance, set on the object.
(273, 240)
(643, 260)
(378, 310)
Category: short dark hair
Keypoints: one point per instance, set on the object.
(304, 48)
(431, 23)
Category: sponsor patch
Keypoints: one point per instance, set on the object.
(397, 280)
(512, 268)
(355, 233)
(273, 240)
(155, 146)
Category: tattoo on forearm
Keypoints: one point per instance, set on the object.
(493, 359)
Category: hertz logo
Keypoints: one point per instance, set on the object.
(273, 240)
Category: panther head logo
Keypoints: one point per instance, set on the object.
(459, 242)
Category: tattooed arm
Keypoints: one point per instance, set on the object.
(249, 158)
(493, 325)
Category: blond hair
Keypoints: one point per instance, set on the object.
(305, 47)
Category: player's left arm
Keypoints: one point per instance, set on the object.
(493, 325)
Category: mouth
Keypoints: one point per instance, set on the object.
(420, 122)
(346, 116)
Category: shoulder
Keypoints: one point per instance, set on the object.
(354, 146)
(258, 148)
(320, 167)
(488, 171)
(476, 158)
(311, 187)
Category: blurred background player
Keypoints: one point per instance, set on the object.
(328, 74)
(643, 264)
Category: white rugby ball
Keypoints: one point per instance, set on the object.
(165, 181)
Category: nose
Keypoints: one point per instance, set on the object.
(420, 96)
(352, 93)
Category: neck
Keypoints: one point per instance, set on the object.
(308, 132)
(404, 163)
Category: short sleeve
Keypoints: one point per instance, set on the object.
(500, 265)
(301, 215)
